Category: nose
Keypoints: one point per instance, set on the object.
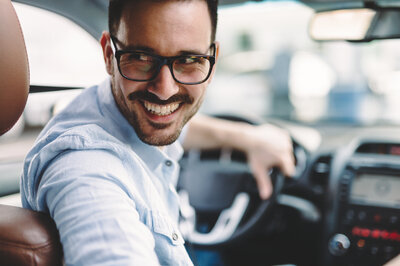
(164, 85)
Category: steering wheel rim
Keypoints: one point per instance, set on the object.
(230, 225)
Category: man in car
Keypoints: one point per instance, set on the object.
(105, 167)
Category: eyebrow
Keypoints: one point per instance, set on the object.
(152, 51)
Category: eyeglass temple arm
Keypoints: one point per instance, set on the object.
(113, 45)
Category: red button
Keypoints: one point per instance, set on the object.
(356, 231)
(361, 243)
(375, 233)
(377, 218)
(393, 236)
(385, 234)
(365, 232)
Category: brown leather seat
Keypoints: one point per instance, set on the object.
(14, 69)
(26, 237)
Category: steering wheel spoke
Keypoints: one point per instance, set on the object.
(226, 225)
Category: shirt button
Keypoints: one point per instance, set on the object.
(168, 163)
(175, 236)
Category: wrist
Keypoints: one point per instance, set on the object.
(240, 136)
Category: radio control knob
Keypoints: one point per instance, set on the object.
(339, 244)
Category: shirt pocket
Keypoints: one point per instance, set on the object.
(162, 225)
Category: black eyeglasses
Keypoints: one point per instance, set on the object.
(143, 66)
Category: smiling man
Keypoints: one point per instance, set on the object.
(106, 166)
(167, 48)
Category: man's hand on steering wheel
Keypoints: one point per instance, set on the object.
(267, 146)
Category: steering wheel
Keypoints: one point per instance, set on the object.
(219, 184)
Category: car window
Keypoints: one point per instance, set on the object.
(60, 52)
(270, 67)
(254, 58)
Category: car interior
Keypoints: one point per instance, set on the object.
(341, 207)
(26, 237)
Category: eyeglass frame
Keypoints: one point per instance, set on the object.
(164, 60)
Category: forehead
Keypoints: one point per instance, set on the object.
(166, 26)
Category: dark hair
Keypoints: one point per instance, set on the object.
(116, 7)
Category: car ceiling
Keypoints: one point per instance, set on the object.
(89, 14)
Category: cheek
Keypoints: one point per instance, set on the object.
(127, 87)
(198, 92)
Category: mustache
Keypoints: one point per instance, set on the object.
(150, 97)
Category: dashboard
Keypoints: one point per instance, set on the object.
(362, 222)
(342, 208)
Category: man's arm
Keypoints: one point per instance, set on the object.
(98, 222)
(266, 146)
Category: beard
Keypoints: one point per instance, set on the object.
(157, 134)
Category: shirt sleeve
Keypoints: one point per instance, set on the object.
(97, 220)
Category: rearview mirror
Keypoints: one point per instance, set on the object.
(360, 25)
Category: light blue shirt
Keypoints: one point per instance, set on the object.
(111, 195)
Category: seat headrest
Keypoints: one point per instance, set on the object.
(14, 68)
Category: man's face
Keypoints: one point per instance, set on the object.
(159, 109)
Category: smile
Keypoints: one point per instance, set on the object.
(160, 110)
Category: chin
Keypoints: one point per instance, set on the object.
(160, 137)
(159, 140)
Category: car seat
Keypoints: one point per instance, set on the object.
(26, 237)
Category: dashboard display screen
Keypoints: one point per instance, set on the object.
(376, 190)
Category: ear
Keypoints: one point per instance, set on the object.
(216, 60)
(216, 51)
(108, 54)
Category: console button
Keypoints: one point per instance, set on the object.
(377, 218)
(350, 215)
(388, 252)
(385, 235)
(356, 231)
(362, 216)
(365, 232)
(339, 244)
(376, 233)
(393, 236)
(374, 250)
(393, 220)
(361, 244)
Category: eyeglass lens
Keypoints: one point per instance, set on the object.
(186, 69)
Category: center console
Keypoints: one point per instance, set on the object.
(365, 225)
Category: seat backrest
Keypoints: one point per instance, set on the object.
(26, 237)
(14, 68)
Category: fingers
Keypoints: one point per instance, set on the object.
(278, 144)
(263, 181)
(287, 164)
(269, 147)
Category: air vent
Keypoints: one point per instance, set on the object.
(379, 148)
(320, 173)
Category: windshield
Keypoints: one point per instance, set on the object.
(270, 67)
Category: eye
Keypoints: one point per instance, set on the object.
(140, 57)
(189, 60)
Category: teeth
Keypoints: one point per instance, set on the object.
(161, 110)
